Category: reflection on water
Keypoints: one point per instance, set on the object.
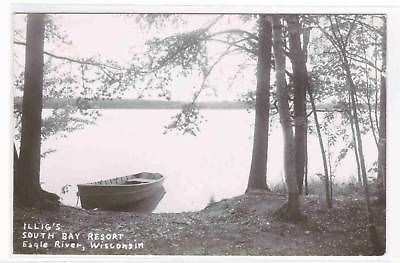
(215, 163)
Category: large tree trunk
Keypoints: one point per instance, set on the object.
(299, 79)
(28, 189)
(258, 171)
(291, 210)
(382, 127)
(15, 174)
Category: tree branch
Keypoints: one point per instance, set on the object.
(234, 44)
(213, 22)
(206, 74)
(369, 27)
(79, 61)
(350, 30)
(361, 59)
(326, 34)
(236, 31)
(358, 58)
(339, 33)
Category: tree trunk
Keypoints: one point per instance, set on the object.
(330, 174)
(306, 161)
(340, 46)
(371, 121)
(328, 194)
(353, 104)
(322, 148)
(291, 210)
(15, 162)
(378, 249)
(353, 133)
(15, 172)
(376, 81)
(28, 189)
(381, 180)
(306, 40)
(299, 79)
(258, 170)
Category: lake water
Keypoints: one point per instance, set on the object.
(215, 163)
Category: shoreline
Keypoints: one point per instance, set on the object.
(242, 225)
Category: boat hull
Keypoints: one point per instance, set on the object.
(122, 192)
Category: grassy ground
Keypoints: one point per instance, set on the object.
(244, 225)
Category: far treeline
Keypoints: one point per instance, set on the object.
(135, 104)
(57, 103)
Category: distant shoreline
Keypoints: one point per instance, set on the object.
(136, 104)
(51, 103)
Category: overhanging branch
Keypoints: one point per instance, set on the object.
(74, 60)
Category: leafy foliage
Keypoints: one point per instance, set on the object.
(186, 54)
(85, 79)
(187, 121)
(362, 41)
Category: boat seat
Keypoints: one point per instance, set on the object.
(139, 180)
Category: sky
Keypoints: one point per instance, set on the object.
(118, 37)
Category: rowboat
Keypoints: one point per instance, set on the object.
(122, 193)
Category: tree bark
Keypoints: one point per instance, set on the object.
(299, 78)
(29, 164)
(291, 210)
(258, 170)
(27, 187)
(15, 172)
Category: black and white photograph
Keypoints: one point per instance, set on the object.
(199, 133)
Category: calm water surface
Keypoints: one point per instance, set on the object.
(215, 163)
